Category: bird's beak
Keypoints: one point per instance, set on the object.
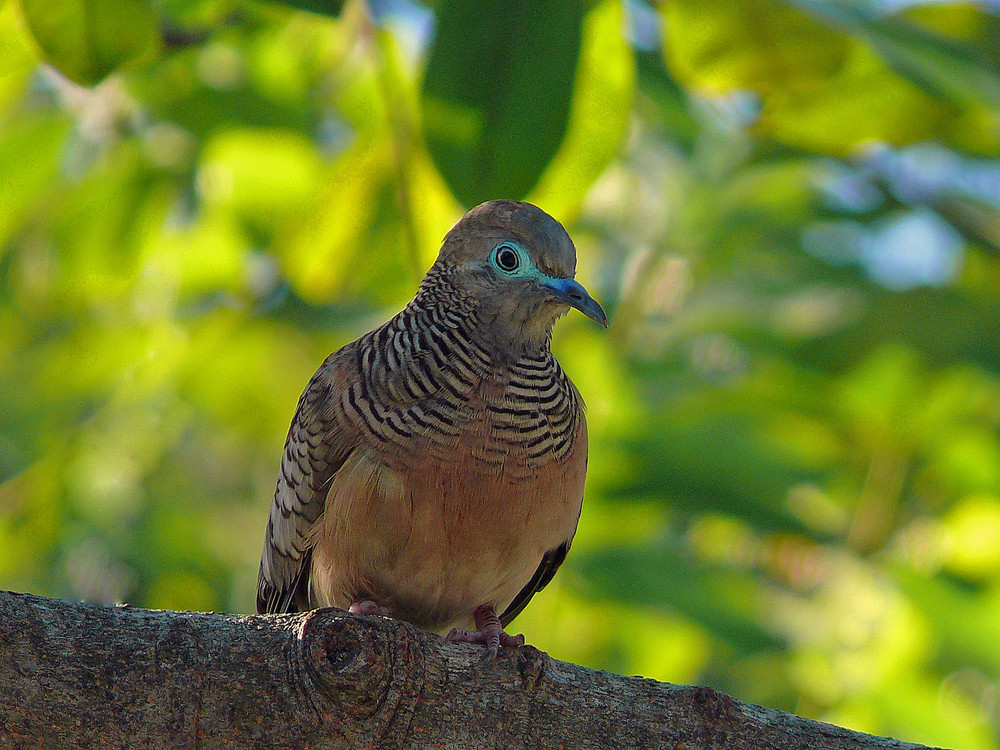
(573, 294)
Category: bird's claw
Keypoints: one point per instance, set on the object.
(489, 632)
(476, 636)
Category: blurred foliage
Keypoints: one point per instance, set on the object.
(790, 208)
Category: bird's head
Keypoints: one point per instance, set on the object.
(517, 262)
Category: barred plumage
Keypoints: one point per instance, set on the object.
(435, 467)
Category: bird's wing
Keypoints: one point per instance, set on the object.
(547, 568)
(552, 559)
(318, 443)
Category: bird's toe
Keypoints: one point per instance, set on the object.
(368, 607)
(489, 632)
(515, 641)
(460, 635)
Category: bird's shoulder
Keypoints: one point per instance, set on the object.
(412, 375)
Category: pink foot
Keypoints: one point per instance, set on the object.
(368, 607)
(488, 631)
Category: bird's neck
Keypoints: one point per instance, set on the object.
(511, 342)
(492, 325)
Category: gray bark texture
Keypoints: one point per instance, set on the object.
(85, 676)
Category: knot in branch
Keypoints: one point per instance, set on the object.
(349, 658)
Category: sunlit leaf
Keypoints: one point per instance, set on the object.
(940, 65)
(831, 78)
(599, 112)
(265, 176)
(973, 542)
(757, 45)
(329, 246)
(29, 161)
(424, 203)
(966, 623)
(89, 39)
(864, 103)
(497, 91)
(960, 20)
(17, 58)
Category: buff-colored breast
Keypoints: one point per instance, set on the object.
(432, 530)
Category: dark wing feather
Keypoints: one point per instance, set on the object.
(316, 447)
(294, 598)
(547, 568)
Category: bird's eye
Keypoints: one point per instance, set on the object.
(506, 258)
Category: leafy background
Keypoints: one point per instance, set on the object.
(790, 209)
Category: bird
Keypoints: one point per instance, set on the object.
(434, 468)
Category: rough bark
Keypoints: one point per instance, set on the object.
(79, 675)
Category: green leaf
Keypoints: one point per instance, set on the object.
(325, 253)
(29, 162)
(669, 101)
(831, 77)
(497, 91)
(825, 117)
(721, 46)
(941, 66)
(87, 40)
(322, 7)
(964, 621)
(727, 603)
(268, 175)
(599, 112)
(17, 55)
(713, 465)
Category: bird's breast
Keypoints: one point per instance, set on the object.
(453, 499)
(509, 421)
(434, 539)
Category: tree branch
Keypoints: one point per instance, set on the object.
(79, 675)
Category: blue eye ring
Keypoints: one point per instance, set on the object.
(506, 258)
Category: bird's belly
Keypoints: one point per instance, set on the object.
(434, 539)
